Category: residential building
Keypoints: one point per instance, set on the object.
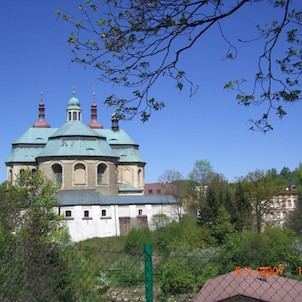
(282, 204)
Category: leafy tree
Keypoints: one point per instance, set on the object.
(202, 172)
(172, 185)
(192, 196)
(134, 43)
(32, 238)
(260, 188)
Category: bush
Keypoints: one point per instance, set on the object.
(135, 240)
(177, 277)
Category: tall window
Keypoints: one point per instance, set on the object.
(79, 174)
(104, 213)
(10, 176)
(127, 176)
(139, 177)
(22, 177)
(57, 173)
(102, 177)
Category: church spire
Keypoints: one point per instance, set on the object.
(41, 123)
(94, 116)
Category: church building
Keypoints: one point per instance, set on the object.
(100, 173)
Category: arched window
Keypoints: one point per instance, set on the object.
(33, 171)
(10, 176)
(104, 213)
(139, 177)
(79, 174)
(127, 176)
(57, 173)
(22, 177)
(102, 175)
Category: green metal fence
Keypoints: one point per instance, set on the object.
(49, 272)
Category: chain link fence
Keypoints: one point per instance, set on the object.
(50, 272)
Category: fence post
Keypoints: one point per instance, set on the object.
(148, 272)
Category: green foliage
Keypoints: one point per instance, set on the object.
(129, 271)
(177, 277)
(185, 235)
(272, 247)
(32, 237)
(160, 220)
(202, 172)
(260, 187)
(135, 240)
(243, 206)
(222, 226)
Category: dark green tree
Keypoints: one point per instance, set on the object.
(222, 226)
(135, 43)
(217, 194)
(244, 207)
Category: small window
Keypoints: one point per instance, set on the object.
(283, 204)
(158, 191)
(104, 214)
(140, 212)
(67, 213)
(289, 203)
(295, 203)
(150, 191)
(86, 213)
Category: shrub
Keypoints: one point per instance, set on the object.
(177, 277)
(135, 240)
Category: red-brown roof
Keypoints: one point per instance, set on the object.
(272, 288)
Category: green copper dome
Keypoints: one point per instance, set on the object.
(74, 103)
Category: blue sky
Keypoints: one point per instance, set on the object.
(210, 125)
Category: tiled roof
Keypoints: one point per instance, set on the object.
(93, 197)
(272, 288)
